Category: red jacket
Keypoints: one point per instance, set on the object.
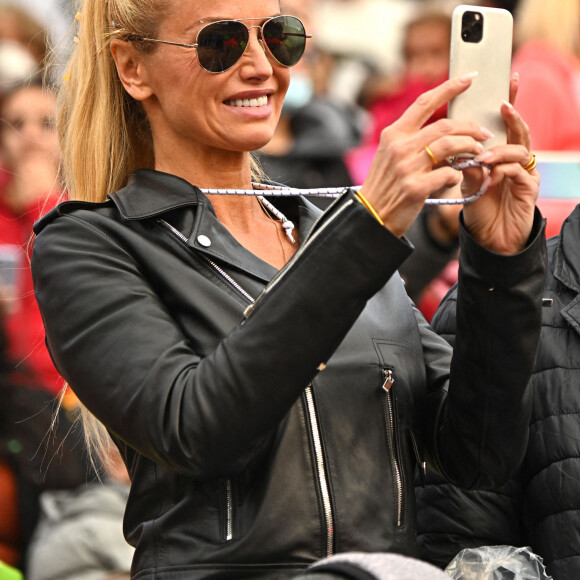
(24, 325)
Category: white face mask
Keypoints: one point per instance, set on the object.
(299, 92)
(16, 65)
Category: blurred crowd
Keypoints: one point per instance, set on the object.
(368, 61)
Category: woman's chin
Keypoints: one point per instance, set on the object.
(252, 142)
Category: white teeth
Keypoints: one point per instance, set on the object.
(259, 102)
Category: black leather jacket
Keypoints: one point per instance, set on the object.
(539, 507)
(269, 419)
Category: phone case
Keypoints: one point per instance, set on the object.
(491, 58)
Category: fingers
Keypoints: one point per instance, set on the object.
(518, 130)
(400, 210)
(450, 146)
(420, 111)
(522, 179)
(506, 154)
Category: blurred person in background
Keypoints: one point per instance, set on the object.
(547, 58)
(539, 506)
(425, 57)
(34, 454)
(30, 185)
(425, 64)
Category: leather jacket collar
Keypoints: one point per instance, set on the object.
(151, 193)
(154, 194)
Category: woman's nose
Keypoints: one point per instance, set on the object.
(256, 39)
(257, 49)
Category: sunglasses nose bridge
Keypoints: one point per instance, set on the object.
(259, 36)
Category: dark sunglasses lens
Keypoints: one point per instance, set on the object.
(285, 37)
(221, 45)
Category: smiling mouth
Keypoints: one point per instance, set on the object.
(259, 102)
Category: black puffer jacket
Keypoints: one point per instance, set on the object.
(248, 458)
(541, 506)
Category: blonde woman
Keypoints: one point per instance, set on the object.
(547, 59)
(259, 365)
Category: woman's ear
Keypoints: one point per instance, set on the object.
(131, 69)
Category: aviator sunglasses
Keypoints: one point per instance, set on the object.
(221, 44)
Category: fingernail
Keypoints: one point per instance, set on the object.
(484, 157)
(516, 76)
(508, 105)
(487, 133)
(467, 78)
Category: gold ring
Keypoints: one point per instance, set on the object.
(531, 164)
(431, 156)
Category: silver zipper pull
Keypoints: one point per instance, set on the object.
(389, 380)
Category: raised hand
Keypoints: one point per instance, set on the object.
(502, 219)
(404, 173)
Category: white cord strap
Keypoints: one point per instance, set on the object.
(283, 191)
(286, 223)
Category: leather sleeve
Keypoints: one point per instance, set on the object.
(485, 417)
(119, 348)
(449, 518)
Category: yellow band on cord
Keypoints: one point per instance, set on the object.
(370, 208)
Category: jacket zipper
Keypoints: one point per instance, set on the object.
(422, 465)
(217, 268)
(229, 530)
(303, 247)
(322, 478)
(390, 417)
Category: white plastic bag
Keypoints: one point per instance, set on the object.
(497, 563)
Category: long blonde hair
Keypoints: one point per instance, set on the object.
(554, 21)
(103, 132)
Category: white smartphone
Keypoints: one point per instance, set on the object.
(482, 41)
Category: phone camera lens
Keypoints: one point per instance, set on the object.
(472, 27)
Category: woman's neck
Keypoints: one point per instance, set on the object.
(209, 168)
(241, 215)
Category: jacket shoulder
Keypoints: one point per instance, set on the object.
(67, 207)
